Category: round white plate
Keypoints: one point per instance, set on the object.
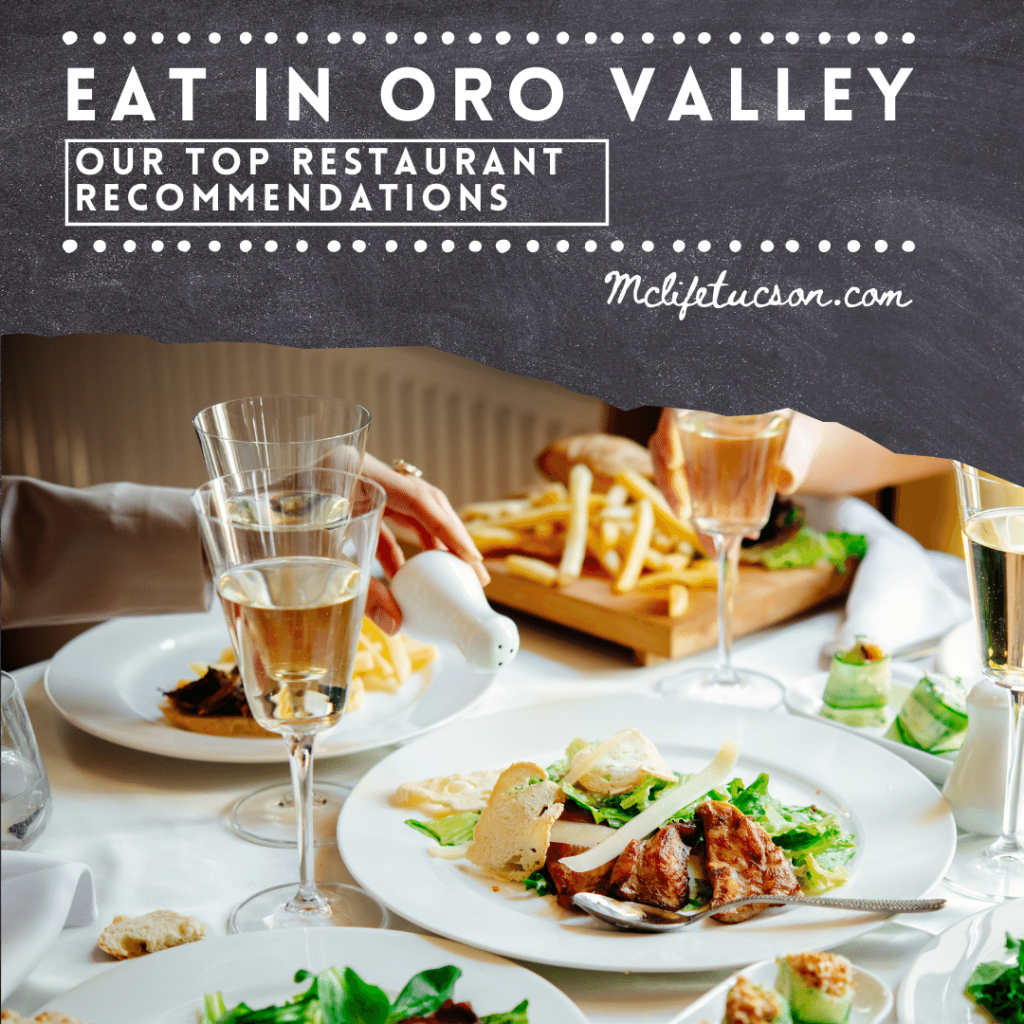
(905, 833)
(872, 998)
(804, 697)
(108, 682)
(958, 653)
(933, 990)
(258, 967)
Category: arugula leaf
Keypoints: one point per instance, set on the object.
(424, 993)
(999, 987)
(517, 1015)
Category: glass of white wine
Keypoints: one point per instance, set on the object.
(291, 553)
(272, 432)
(992, 519)
(731, 467)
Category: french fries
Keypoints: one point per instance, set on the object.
(383, 662)
(629, 534)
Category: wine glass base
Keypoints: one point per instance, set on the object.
(992, 878)
(348, 907)
(751, 689)
(267, 816)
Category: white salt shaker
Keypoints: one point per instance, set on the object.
(976, 787)
(442, 600)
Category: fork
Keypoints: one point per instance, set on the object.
(635, 917)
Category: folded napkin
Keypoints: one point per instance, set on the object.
(899, 596)
(39, 897)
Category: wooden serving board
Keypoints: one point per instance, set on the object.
(639, 621)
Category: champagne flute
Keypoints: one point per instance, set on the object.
(992, 520)
(291, 558)
(731, 465)
(275, 432)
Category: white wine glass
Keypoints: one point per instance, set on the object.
(992, 520)
(291, 553)
(731, 466)
(274, 432)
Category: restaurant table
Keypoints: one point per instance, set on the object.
(152, 828)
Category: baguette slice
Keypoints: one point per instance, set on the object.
(511, 838)
(215, 725)
(126, 936)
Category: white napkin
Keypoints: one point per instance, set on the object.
(897, 597)
(39, 897)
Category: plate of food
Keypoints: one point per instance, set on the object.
(167, 684)
(460, 831)
(815, 988)
(972, 973)
(387, 972)
(919, 715)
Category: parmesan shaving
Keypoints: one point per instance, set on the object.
(586, 759)
(579, 833)
(449, 852)
(670, 802)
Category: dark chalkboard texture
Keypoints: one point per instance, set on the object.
(896, 243)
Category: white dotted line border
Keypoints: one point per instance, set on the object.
(70, 38)
(502, 245)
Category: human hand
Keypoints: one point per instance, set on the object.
(417, 505)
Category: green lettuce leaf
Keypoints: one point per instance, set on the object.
(807, 547)
(998, 987)
(424, 993)
(454, 830)
(517, 1015)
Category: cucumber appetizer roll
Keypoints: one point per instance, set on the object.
(747, 1003)
(858, 686)
(934, 716)
(817, 986)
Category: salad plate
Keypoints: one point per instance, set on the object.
(109, 682)
(933, 990)
(872, 999)
(258, 968)
(904, 831)
(804, 697)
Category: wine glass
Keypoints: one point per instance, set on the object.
(291, 553)
(271, 432)
(731, 465)
(992, 520)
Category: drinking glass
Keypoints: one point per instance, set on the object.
(992, 520)
(291, 552)
(731, 465)
(25, 803)
(271, 432)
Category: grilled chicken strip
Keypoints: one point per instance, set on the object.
(653, 871)
(741, 860)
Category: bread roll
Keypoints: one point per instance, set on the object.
(605, 454)
(160, 929)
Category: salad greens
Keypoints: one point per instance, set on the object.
(453, 830)
(807, 547)
(340, 996)
(999, 987)
(813, 839)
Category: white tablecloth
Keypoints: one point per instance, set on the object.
(151, 828)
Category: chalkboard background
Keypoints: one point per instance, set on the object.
(943, 376)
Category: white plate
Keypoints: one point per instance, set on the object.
(872, 998)
(933, 990)
(904, 831)
(108, 682)
(804, 697)
(258, 967)
(958, 653)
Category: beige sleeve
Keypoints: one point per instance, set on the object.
(76, 555)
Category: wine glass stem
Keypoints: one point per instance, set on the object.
(728, 548)
(1008, 842)
(300, 757)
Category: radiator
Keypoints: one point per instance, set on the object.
(94, 408)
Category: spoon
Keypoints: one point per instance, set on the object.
(635, 917)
